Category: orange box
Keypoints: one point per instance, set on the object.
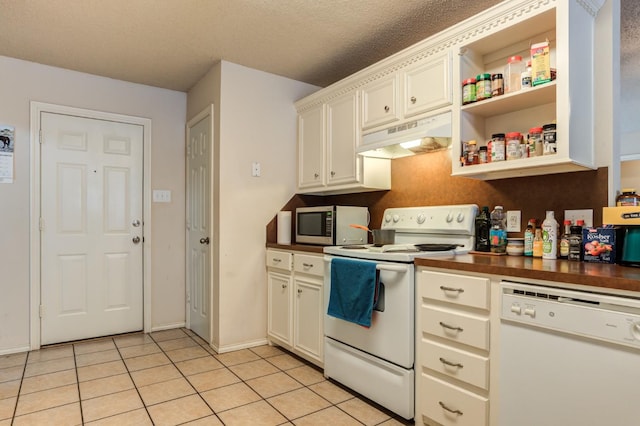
(626, 215)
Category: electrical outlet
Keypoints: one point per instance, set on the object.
(513, 220)
(574, 215)
(255, 169)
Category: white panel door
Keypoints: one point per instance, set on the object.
(199, 150)
(91, 227)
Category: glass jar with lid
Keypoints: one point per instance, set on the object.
(468, 91)
(628, 197)
(483, 87)
(513, 74)
(498, 147)
(513, 150)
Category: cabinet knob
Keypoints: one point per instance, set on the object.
(413, 99)
(333, 174)
(284, 286)
(386, 108)
(315, 175)
(299, 290)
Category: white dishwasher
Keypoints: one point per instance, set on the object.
(568, 357)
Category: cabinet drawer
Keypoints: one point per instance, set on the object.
(313, 265)
(459, 289)
(453, 362)
(279, 259)
(458, 327)
(450, 405)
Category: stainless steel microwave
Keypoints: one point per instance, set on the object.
(329, 225)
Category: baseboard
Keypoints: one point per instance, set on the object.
(168, 326)
(239, 346)
(14, 350)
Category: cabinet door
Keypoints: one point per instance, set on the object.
(380, 102)
(308, 316)
(427, 86)
(311, 148)
(279, 306)
(343, 134)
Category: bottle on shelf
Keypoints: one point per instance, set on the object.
(550, 236)
(483, 225)
(564, 240)
(528, 237)
(537, 243)
(498, 232)
(525, 77)
(513, 74)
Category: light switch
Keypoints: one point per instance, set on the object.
(161, 196)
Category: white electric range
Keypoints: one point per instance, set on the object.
(378, 361)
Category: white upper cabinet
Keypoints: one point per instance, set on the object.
(380, 100)
(311, 147)
(417, 85)
(427, 85)
(510, 29)
(328, 134)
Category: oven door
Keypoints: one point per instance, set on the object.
(391, 335)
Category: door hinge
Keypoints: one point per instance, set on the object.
(41, 224)
(41, 313)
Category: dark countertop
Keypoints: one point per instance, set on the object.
(581, 273)
(297, 247)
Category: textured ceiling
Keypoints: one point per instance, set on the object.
(173, 43)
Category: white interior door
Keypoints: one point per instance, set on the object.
(199, 233)
(91, 227)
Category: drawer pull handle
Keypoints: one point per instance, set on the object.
(276, 260)
(458, 290)
(450, 327)
(442, 404)
(308, 265)
(449, 363)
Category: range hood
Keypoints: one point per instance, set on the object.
(415, 137)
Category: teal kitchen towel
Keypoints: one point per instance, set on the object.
(353, 286)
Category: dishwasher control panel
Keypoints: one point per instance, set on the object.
(604, 317)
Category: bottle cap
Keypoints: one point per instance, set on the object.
(566, 222)
(580, 222)
(516, 58)
(628, 190)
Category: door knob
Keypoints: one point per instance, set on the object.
(204, 240)
(135, 239)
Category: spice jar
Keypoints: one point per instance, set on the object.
(497, 85)
(497, 147)
(483, 155)
(483, 87)
(468, 91)
(549, 139)
(513, 74)
(513, 146)
(472, 153)
(534, 144)
(628, 197)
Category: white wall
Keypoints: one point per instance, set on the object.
(256, 122)
(22, 82)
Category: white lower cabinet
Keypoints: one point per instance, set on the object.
(295, 303)
(452, 348)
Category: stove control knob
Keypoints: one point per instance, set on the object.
(450, 217)
(387, 218)
(421, 218)
(396, 218)
(460, 217)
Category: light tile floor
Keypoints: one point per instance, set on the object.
(172, 377)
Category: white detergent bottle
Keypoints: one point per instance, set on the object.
(550, 236)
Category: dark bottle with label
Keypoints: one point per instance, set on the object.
(483, 225)
(564, 240)
(575, 243)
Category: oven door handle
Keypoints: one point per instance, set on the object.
(392, 268)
